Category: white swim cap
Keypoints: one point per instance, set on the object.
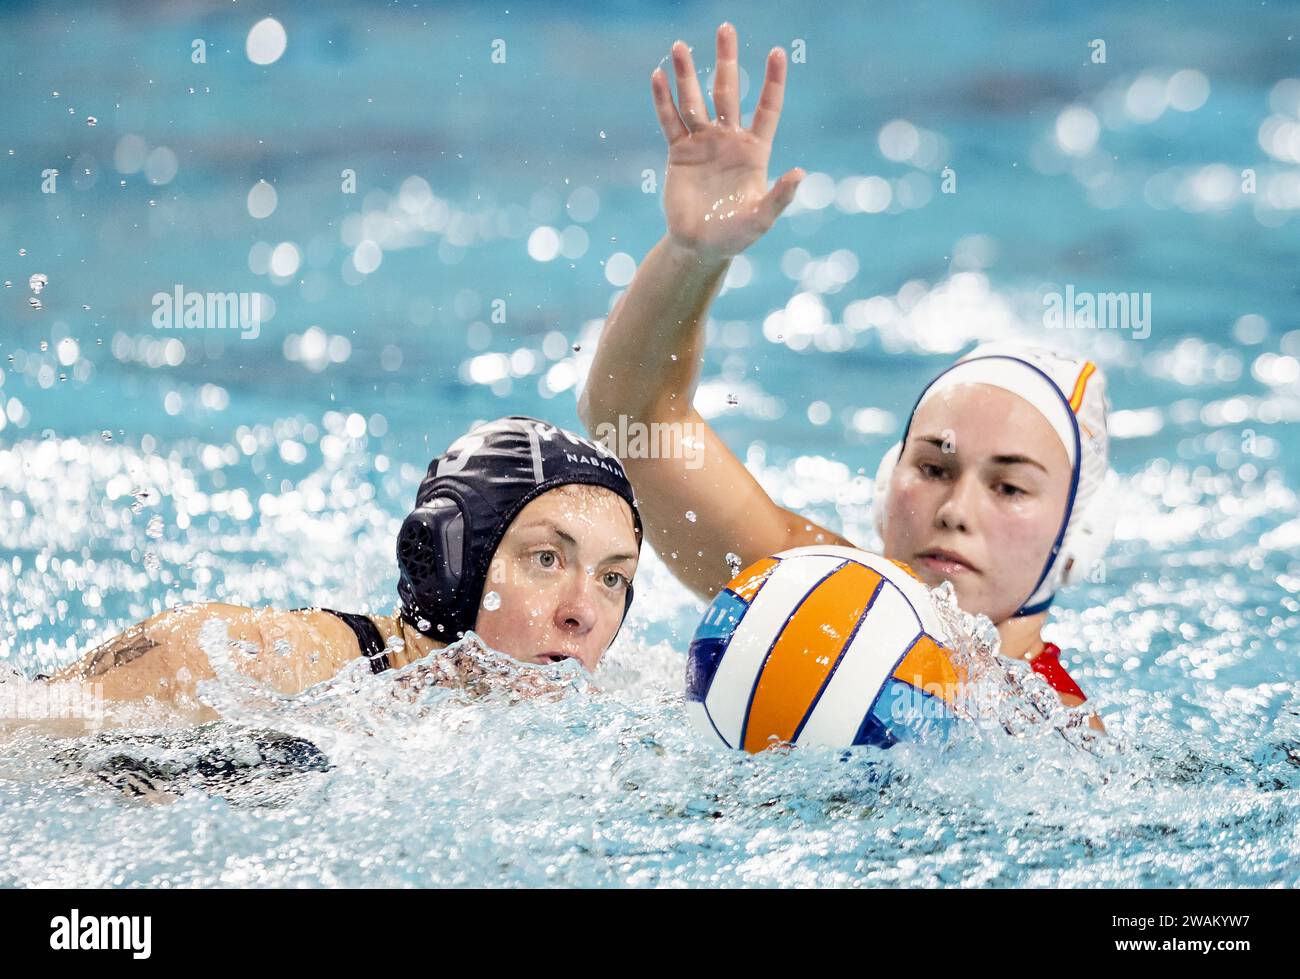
(1071, 394)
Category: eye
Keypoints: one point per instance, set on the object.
(1014, 490)
(546, 559)
(930, 471)
(616, 577)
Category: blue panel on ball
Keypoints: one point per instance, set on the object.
(710, 642)
(701, 665)
(903, 712)
(722, 616)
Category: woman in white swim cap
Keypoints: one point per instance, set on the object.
(998, 485)
(1001, 485)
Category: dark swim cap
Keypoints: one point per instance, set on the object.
(466, 503)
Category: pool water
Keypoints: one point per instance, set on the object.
(142, 467)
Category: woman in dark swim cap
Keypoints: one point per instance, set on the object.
(526, 533)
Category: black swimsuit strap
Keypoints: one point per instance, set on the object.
(367, 633)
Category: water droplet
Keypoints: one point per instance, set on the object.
(577, 347)
(423, 625)
(395, 644)
(22, 252)
(602, 134)
(143, 497)
(151, 561)
(91, 121)
(732, 400)
(282, 646)
(155, 528)
(44, 345)
(72, 110)
(38, 281)
(62, 376)
(690, 515)
(733, 563)
(491, 601)
(8, 284)
(106, 435)
(34, 303)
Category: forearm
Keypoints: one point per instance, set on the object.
(659, 318)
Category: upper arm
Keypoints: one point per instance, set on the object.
(157, 658)
(732, 513)
(165, 656)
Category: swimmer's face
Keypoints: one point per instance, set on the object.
(561, 572)
(984, 476)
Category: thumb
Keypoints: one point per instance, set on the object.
(779, 197)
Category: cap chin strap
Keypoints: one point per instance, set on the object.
(1087, 535)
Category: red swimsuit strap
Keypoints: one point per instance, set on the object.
(1048, 665)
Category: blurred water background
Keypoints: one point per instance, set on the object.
(499, 207)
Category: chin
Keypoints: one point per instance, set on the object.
(932, 579)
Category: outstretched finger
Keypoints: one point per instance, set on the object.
(768, 112)
(726, 87)
(689, 100)
(779, 197)
(669, 121)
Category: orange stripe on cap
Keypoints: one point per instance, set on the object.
(804, 654)
(748, 582)
(927, 667)
(1076, 396)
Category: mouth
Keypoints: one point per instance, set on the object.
(946, 562)
(551, 657)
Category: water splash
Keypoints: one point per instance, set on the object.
(1000, 695)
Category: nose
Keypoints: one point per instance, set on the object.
(955, 511)
(576, 610)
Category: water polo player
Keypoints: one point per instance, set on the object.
(526, 533)
(997, 482)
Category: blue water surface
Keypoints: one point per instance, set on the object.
(142, 467)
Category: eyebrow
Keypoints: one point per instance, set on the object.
(1001, 460)
(569, 539)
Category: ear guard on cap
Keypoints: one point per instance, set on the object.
(431, 557)
(883, 473)
(1090, 532)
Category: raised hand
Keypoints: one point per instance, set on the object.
(716, 196)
